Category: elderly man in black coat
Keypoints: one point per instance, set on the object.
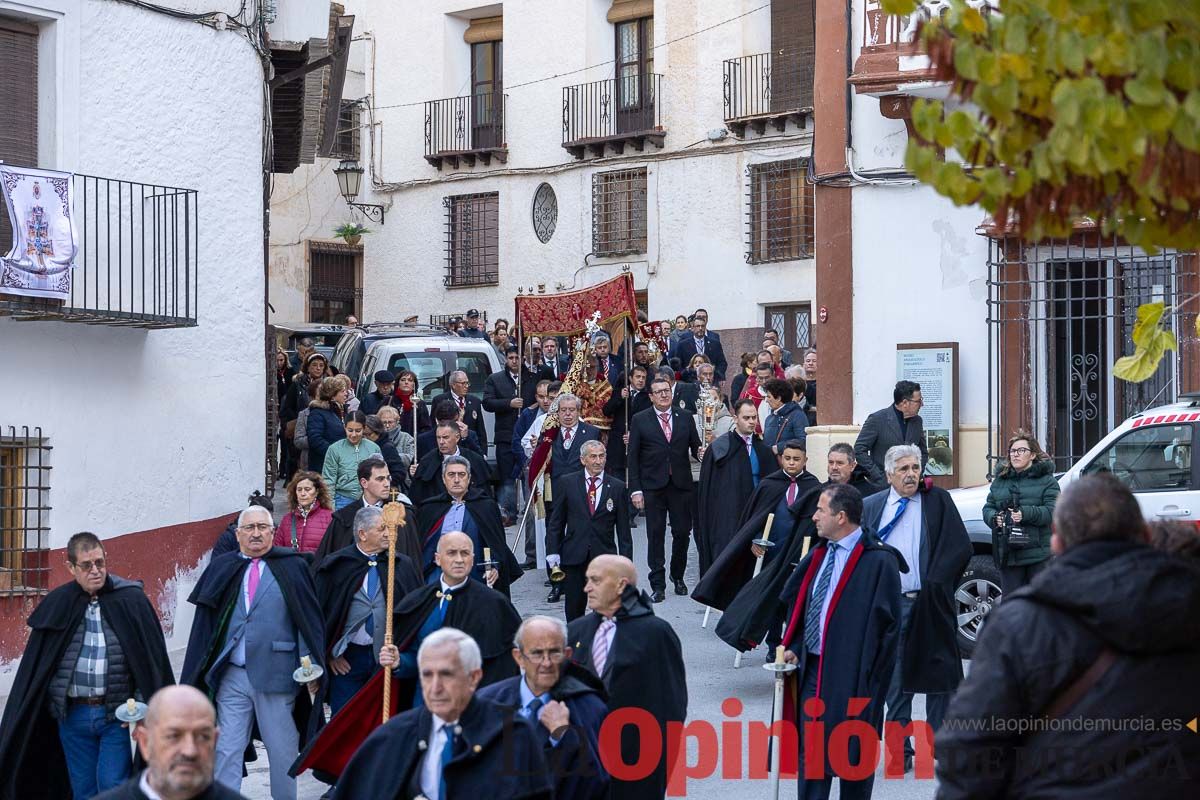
(96, 618)
(640, 661)
(899, 423)
(469, 406)
(1110, 630)
(922, 523)
(842, 633)
(351, 588)
(732, 468)
(565, 702)
(455, 745)
(462, 506)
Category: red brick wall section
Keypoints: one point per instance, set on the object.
(154, 557)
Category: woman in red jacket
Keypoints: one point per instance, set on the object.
(309, 513)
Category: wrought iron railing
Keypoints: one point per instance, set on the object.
(465, 124)
(138, 257)
(760, 85)
(611, 108)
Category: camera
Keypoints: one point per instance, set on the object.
(1017, 538)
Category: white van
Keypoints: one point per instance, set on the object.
(428, 351)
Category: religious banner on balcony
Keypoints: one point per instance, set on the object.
(567, 314)
(40, 204)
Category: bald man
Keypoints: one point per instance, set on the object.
(638, 658)
(178, 740)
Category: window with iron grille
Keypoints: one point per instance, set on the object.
(779, 212)
(619, 212)
(346, 142)
(24, 510)
(18, 98)
(472, 239)
(334, 282)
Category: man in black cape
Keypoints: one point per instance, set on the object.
(353, 606)
(565, 702)
(778, 493)
(427, 480)
(843, 627)
(922, 522)
(640, 661)
(733, 467)
(454, 745)
(33, 764)
(462, 506)
(752, 609)
(219, 599)
(375, 480)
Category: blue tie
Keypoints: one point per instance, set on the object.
(447, 754)
(753, 462)
(812, 614)
(886, 530)
(531, 710)
(372, 590)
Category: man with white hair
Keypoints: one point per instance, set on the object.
(564, 701)
(469, 406)
(921, 521)
(256, 618)
(455, 745)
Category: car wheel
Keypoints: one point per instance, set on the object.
(977, 594)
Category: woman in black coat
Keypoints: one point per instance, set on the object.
(326, 421)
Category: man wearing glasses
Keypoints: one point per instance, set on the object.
(899, 423)
(470, 409)
(563, 701)
(95, 642)
(257, 618)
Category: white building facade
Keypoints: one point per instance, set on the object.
(469, 110)
(146, 423)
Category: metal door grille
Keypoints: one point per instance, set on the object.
(1059, 314)
(619, 212)
(472, 239)
(334, 290)
(779, 212)
(24, 510)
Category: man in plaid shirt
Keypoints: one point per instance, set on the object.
(96, 642)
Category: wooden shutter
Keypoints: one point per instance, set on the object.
(18, 102)
(793, 50)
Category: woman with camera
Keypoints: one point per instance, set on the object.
(1019, 508)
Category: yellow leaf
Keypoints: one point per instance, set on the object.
(973, 21)
(1137, 367)
(1148, 317)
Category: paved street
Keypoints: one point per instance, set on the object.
(711, 679)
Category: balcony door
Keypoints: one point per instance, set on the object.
(635, 65)
(487, 95)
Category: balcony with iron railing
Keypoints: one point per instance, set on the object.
(614, 113)
(763, 90)
(466, 130)
(137, 258)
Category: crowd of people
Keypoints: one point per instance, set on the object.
(851, 580)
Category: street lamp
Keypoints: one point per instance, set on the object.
(349, 177)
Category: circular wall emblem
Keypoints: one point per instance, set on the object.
(545, 212)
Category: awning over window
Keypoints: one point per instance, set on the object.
(485, 29)
(625, 10)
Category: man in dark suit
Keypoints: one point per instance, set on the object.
(468, 405)
(500, 398)
(590, 518)
(684, 394)
(564, 701)
(660, 479)
(701, 342)
(609, 365)
(572, 433)
(899, 423)
(637, 398)
(446, 410)
(551, 361)
(922, 523)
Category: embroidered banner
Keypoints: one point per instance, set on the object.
(44, 238)
(567, 314)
